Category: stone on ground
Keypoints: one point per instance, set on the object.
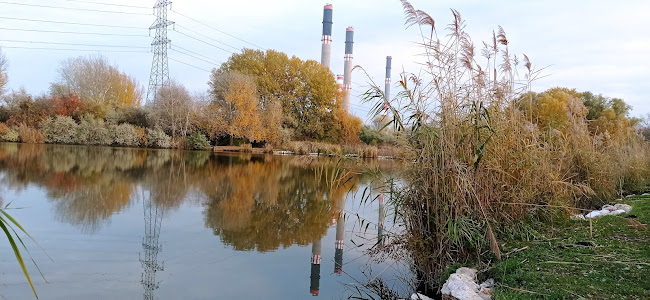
(462, 286)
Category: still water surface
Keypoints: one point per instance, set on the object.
(160, 224)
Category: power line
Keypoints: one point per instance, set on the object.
(213, 28)
(70, 23)
(73, 44)
(191, 65)
(193, 56)
(74, 32)
(196, 53)
(202, 41)
(74, 49)
(205, 36)
(109, 4)
(73, 8)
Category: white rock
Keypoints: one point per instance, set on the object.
(418, 296)
(645, 194)
(577, 217)
(609, 208)
(462, 285)
(593, 214)
(488, 283)
(618, 212)
(623, 207)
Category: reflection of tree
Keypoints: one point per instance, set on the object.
(253, 202)
(265, 205)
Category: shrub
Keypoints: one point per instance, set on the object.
(30, 135)
(158, 139)
(93, 132)
(59, 130)
(124, 135)
(8, 134)
(370, 136)
(197, 141)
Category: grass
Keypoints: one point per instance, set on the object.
(567, 262)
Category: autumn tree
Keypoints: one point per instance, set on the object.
(238, 110)
(96, 82)
(306, 91)
(172, 109)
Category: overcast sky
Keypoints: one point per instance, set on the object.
(601, 46)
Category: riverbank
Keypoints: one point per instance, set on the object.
(321, 149)
(608, 258)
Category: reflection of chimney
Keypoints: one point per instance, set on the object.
(340, 236)
(389, 62)
(347, 81)
(327, 36)
(382, 217)
(314, 288)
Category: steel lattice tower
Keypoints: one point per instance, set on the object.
(151, 246)
(160, 65)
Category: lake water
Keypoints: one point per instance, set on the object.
(161, 224)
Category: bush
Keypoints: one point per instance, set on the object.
(124, 135)
(158, 139)
(93, 132)
(30, 135)
(59, 130)
(197, 141)
(370, 136)
(8, 134)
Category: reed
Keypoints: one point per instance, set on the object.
(481, 165)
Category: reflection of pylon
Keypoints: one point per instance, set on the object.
(151, 247)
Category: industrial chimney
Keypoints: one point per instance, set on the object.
(340, 236)
(389, 63)
(314, 287)
(327, 35)
(347, 81)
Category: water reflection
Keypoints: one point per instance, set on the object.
(251, 202)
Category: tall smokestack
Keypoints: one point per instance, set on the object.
(382, 218)
(340, 236)
(314, 287)
(339, 81)
(389, 66)
(327, 35)
(347, 81)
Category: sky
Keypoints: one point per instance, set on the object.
(600, 46)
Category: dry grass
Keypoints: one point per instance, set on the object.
(480, 164)
(30, 135)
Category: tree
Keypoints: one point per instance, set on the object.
(97, 82)
(3, 72)
(172, 109)
(236, 103)
(306, 90)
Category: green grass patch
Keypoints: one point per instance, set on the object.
(567, 262)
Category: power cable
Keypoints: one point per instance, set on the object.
(193, 56)
(73, 44)
(70, 23)
(109, 4)
(191, 65)
(74, 49)
(196, 53)
(202, 41)
(205, 36)
(216, 29)
(74, 32)
(73, 8)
